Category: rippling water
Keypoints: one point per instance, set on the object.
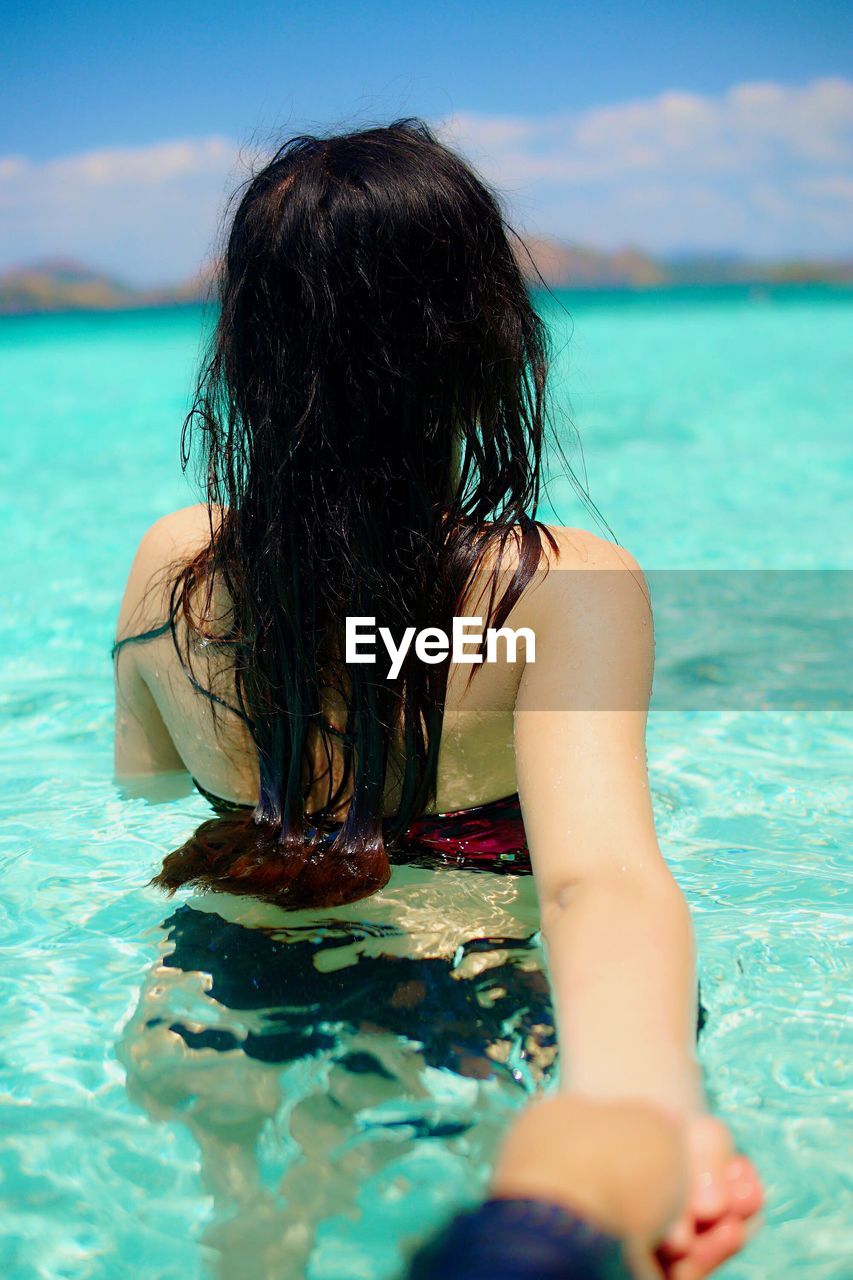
(192, 1089)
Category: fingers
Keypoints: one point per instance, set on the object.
(711, 1248)
(678, 1239)
(723, 1181)
(710, 1195)
(710, 1153)
(715, 1226)
(745, 1193)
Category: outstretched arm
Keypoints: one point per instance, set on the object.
(616, 925)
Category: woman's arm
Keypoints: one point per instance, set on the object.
(143, 745)
(616, 926)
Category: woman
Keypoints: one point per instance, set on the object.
(372, 416)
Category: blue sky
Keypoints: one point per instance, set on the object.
(676, 126)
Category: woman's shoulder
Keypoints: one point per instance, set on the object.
(583, 577)
(180, 532)
(551, 586)
(167, 544)
(568, 547)
(562, 547)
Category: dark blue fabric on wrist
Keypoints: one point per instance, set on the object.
(520, 1240)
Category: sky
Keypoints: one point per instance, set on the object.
(676, 127)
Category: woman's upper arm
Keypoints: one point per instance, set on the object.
(143, 744)
(580, 720)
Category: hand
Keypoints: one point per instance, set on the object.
(724, 1194)
(620, 1164)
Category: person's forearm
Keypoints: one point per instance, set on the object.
(621, 955)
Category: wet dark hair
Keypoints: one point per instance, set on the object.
(371, 413)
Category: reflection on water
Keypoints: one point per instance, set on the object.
(322, 1060)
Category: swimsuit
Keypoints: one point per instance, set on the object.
(488, 837)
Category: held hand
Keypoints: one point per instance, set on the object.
(622, 1165)
(724, 1196)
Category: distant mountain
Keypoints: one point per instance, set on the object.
(65, 285)
(570, 266)
(574, 266)
(60, 285)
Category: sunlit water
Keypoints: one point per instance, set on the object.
(202, 1088)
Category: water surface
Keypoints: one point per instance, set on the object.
(715, 426)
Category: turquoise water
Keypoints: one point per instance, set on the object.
(716, 436)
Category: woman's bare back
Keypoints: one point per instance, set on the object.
(476, 759)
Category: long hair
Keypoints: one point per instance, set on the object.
(371, 414)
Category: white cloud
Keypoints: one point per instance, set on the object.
(149, 214)
(146, 166)
(764, 168)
